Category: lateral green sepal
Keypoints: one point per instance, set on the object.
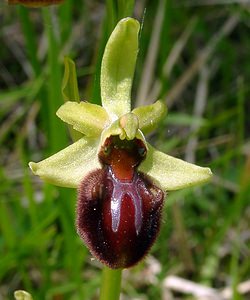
(69, 166)
(171, 173)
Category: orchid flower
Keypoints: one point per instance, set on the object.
(121, 179)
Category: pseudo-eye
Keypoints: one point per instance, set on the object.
(119, 208)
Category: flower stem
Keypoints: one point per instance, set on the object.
(111, 284)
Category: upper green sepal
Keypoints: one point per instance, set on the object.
(117, 69)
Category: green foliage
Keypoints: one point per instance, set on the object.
(204, 235)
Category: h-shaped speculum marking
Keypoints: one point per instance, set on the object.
(120, 189)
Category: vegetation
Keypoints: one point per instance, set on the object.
(192, 55)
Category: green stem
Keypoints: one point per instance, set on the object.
(111, 284)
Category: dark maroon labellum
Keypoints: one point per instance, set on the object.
(119, 208)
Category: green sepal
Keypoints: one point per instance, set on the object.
(150, 115)
(87, 118)
(171, 173)
(69, 166)
(117, 69)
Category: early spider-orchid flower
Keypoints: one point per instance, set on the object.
(121, 179)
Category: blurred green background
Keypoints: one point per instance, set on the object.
(195, 56)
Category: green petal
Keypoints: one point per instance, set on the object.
(150, 115)
(118, 66)
(69, 166)
(87, 118)
(171, 173)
